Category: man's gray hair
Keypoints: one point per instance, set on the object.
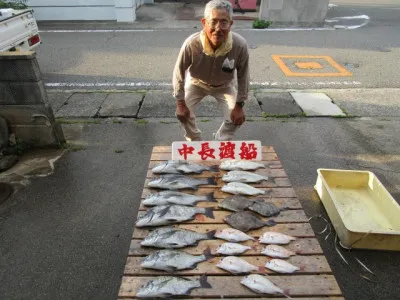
(218, 4)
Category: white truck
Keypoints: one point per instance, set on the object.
(18, 30)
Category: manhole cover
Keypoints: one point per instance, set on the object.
(5, 191)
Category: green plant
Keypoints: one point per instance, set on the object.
(118, 151)
(142, 121)
(261, 24)
(14, 4)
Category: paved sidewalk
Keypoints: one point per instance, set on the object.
(261, 103)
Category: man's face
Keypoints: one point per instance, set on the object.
(217, 27)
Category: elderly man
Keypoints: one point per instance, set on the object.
(206, 65)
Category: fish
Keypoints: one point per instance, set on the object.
(232, 249)
(235, 203)
(178, 182)
(275, 238)
(243, 176)
(236, 265)
(181, 167)
(281, 266)
(241, 188)
(170, 214)
(232, 235)
(277, 251)
(168, 167)
(173, 260)
(172, 238)
(191, 168)
(262, 285)
(263, 208)
(174, 197)
(234, 164)
(166, 286)
(245, 221)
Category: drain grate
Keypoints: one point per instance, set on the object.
(6, 191)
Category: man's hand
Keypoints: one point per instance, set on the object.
(237, 115)
(182, 112)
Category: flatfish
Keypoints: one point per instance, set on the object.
(232, 235)
(277, 251)
(245, 221)
(232, 249)
(262, 285)
(243, 176)
(241, 188)
(235, 203)
(263, 208)
(281, 266)
(275, 238)
(232, 164)
(237, 265)
(173, 260)
(178, 182)
(171, 238)
(174, 197)
(166, 286)
(170, 214)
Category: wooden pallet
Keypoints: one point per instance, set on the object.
(314, 280)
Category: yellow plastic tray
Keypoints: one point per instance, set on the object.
(362, 211)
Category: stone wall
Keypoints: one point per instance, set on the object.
(24, 103)
(299, 13)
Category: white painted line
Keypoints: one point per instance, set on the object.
(338, 19)
(167, 84)
(288, 29)
(331, 5)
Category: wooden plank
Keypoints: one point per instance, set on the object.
(230, 286)
(204, 190)
(302, 246)
(157, 149)
(296, 229)
(290, 203)
(167, 156)
(272, 173)
(286, 216)
(312, 264)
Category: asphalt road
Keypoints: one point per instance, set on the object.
(140, 58)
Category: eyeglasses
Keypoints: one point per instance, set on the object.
(223, 24)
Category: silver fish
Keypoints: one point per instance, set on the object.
(263, 208)
(232, 249)
(243, 176)
(170, 214)
(277, 251)
(235, 203)
(173, 260)
(241, 188)
(191, 168)
(232, 165)
(178, 182)
(275, 238)
(232, 235)
(168, 167)
(281, 266)
(173, 197)
(246, 221)
(171, 237)
(236, 265)
(260, 284)
(166, 286)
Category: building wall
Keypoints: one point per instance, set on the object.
(85, 10)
